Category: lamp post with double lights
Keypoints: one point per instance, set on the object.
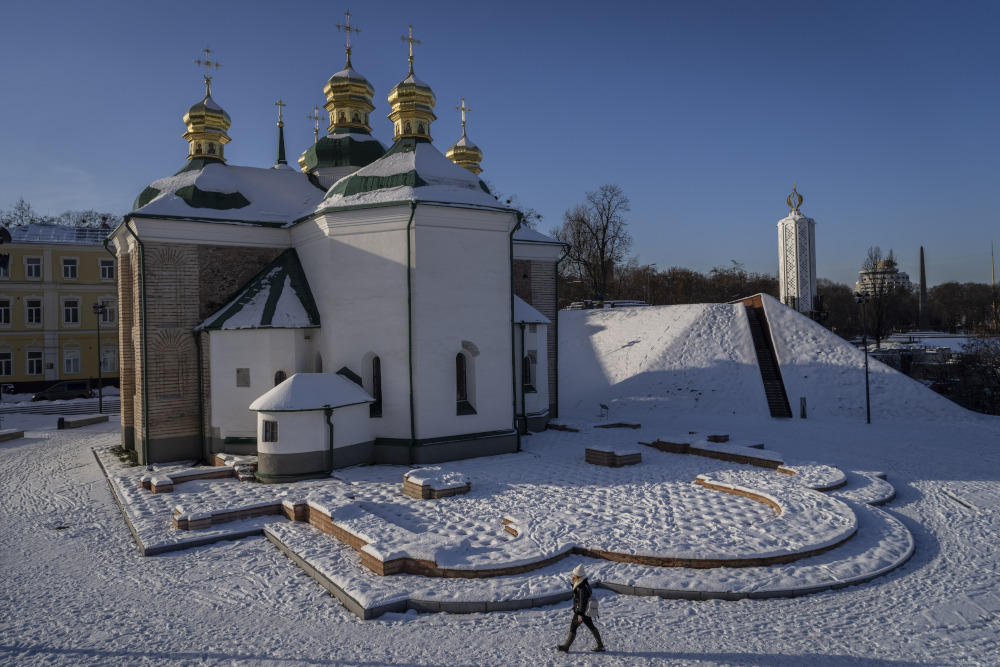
(863, 298)
(100, 309)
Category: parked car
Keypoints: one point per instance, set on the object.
(64, 391)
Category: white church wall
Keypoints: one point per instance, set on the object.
(298, 432)
(262, 352)
(461, 302)
(356, 263)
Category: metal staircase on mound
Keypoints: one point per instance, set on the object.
(770, 372)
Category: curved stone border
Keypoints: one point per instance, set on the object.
(886, 545)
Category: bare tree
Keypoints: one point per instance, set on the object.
(595, 231)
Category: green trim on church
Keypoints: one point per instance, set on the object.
(271, 281)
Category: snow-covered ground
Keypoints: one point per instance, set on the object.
(77, 592)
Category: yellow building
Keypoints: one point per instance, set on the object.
(48, 325)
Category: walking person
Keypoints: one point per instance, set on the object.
(583, 608)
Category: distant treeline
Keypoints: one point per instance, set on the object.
(21, 213)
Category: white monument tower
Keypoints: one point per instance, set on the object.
(797, 257)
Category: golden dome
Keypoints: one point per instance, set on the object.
(412, 103)
(465, 153)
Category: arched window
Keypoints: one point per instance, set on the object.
(280, 377)
(420, 128)
(406, 128)
(211, 149)
(376, 407)
(356, 117)
(319, 362)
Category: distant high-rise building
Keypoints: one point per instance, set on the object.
(925, 315)
(797, 257)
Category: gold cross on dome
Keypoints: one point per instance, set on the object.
(412, 42)
(463, 109)
(281, 105)
(348, 29)
(316, 117)
(207, 62)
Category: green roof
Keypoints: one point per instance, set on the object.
(342, 150)
(256, 306)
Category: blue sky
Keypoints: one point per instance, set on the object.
(884, 113)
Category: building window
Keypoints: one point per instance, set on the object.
(33, 268)
(4, 312)
(34, 362)
(6, 363)
(71, 311)
(4, 268)
(375, 410)
(270, 431)
(280, 377)
(109, 359)
(464, 406)
(69, 267)
(528, 372)
(33, 312)
(107, 269)
(242, 377)
(109, 314)
(71, 361)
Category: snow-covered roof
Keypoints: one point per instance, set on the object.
(412, 170)
(341, 149)
(46, 232)
(529, 235)
(276, 298)
(525, 313)
(222, 192)
(311, 391)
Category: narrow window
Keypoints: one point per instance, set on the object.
(109, 359)
(33, 268)
(6, 363)
(526, 371)
(464, 406)
(376, 407)
(279, 377)
(69, 268)
(33, 311)
(4, 268)
(34, 363)
(71, 361)
(4, 312)
(109, 314)
(107, 269)
(71, 311)
(270, 431)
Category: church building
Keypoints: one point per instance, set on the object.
(378, 306)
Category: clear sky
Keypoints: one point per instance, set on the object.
(885, 114)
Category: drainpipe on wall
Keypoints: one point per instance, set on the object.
(409, 328)
(513, 348)
(524, 409)
(201, 403)
(328, 411)
(143, 341)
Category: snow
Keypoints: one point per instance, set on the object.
(525, 313)
(528, 235)
(446, 181)
(437, 478)
(311, 391)
(275, 195)
(77, 592)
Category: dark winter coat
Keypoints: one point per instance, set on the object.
(581, 596)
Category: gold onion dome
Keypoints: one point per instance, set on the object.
(348, 100)
(206, 121)
(412, 103)
(465, 153)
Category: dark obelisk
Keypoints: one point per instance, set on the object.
(925, 315)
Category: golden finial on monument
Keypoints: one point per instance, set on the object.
(794, 200)
(316, 117)
(281, 105)
(463, 109)
(348, 29)
(412, 42)
(208, 64)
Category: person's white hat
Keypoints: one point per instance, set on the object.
(578, 571)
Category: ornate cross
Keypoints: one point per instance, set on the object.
(281, 105)
(208, 64)
(463, 109)
(348, 29)
(412, 42)
(795, 199)
(316, 117)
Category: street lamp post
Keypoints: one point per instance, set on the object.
(99, 310)
(862, 298)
